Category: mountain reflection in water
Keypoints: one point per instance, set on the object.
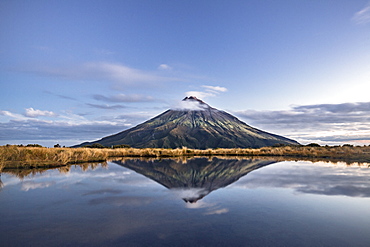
(195, 178)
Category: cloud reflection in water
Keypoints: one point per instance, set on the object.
(314, 178)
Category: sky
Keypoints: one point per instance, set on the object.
(76, 71)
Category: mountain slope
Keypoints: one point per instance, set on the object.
(195, 125)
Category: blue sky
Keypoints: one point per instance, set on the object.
(74, 71)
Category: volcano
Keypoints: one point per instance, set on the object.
(196, 125)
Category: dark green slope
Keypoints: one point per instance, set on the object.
(203, 128)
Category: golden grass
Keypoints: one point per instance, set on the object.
(37, 157)
(34, 157)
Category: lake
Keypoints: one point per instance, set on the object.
(188, 202)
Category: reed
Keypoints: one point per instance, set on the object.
(37, 157)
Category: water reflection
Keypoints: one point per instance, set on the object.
(314, 178)
(265, 203)
(193, 179)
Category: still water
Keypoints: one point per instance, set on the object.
(194, 202)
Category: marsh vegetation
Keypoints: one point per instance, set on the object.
(12, 156)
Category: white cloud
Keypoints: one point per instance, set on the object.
(362, 16)
(215, 88)
(30, 112)
(323, 123)
(30, 185)
(218, 211)
(67, 126)
(164, 67)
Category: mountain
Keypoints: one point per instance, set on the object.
(195, 178)
(194, 124)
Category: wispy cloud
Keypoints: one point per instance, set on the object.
(106, 107)
(121, 73)
(215, 89)
(104, 71)
(362, 16)
(104, 52)
(122, 200)
(347, 122)
(135, 117)
(124, 98)
(13, 115)
(60, 95)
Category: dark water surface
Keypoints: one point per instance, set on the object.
(198, 202)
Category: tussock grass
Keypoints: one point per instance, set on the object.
(38, 157)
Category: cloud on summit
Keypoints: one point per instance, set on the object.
(188, 106)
